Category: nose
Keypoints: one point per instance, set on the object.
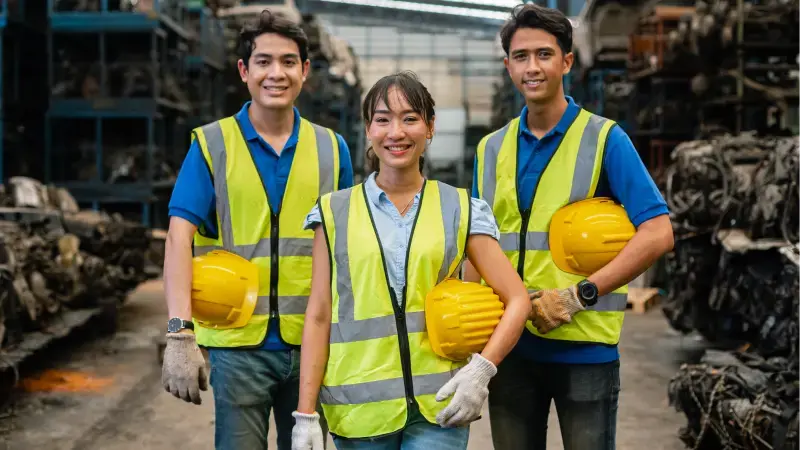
(533, 67)
(275, 71)
(396, 130)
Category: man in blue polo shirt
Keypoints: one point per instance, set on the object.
(560, 357)
(246, 184)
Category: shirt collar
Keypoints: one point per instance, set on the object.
(561, 127)
(250, 133)
(375, 193)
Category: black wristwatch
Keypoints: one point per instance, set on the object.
(177, 324)
(587, 293)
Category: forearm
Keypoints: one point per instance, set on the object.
(651, 241)
(178, 271)
(509, 329)
(471, 273)
(313, 360)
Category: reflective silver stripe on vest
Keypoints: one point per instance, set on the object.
(215, 143)
(490, 154)
(286, 247)
(534, 240)
(587, 153)
(324, 159)
(383, 390)
(347, 329)
(610, 302)
(287, 304)
(451, 217)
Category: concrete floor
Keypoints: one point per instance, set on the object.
(124, 407)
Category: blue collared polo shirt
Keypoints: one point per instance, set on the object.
(623, 177)
(193, 196)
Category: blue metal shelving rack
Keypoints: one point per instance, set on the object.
(164, 27)
(206, 63)
(8, 17)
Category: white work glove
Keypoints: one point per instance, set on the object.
(471, 387)
(307, 432)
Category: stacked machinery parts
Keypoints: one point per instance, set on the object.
(54, 256)
(733, 277)
(738, 401)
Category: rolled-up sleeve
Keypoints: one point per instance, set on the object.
(483, 221)
(313, 219)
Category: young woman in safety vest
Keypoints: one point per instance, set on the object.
(382, 247)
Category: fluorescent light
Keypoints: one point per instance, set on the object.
(423, 7)
(498, 3)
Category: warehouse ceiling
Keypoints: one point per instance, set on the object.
(475, 15)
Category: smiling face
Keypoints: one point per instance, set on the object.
(398, 134)
(537, 64)
(274, 73)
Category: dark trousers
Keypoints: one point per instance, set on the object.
(586, 398)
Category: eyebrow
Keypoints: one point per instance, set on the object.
(386, 111)
(267, 55)
(538, 49)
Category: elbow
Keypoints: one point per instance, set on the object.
(667, 239)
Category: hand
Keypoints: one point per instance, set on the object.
(184, 370)
(552, 308)
(307, 433)
(470, 386)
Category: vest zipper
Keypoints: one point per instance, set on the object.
(273, 260)
(523, 232)
(405, 352)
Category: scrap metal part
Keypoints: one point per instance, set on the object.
(738, 401)
(53, 256)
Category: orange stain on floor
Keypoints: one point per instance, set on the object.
(66, 381)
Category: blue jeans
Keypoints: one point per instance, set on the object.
(586, 398)
(419, 434)
(247, 384)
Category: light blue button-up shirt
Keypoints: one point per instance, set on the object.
(394, 230)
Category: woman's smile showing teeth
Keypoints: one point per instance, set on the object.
(397, 149)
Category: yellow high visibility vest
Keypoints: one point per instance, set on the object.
(571, 175)
(275, 242)
(380, 360)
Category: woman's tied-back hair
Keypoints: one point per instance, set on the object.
(407, 83)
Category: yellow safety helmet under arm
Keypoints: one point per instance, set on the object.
(224, 290)
(460, 317)
(586, 235)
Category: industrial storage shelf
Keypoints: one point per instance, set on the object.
(106, 20)
(113, 22)
(93, 191)
(112, 107)
(157, 42)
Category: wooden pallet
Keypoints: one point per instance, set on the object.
(640, 300)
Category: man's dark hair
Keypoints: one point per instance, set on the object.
(529, 15)
(270, 23)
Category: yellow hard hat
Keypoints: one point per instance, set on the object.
(224, 290)
(586, 235)
(460, 317)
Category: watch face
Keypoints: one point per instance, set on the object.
(589, 293)
(174, 325)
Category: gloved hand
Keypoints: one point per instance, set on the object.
(470, 386)
(552, 308)
(307, 433)
(183, 372)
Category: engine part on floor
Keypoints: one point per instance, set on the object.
(738, 400)
(53, 256)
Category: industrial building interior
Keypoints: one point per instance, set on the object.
(99, 98)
